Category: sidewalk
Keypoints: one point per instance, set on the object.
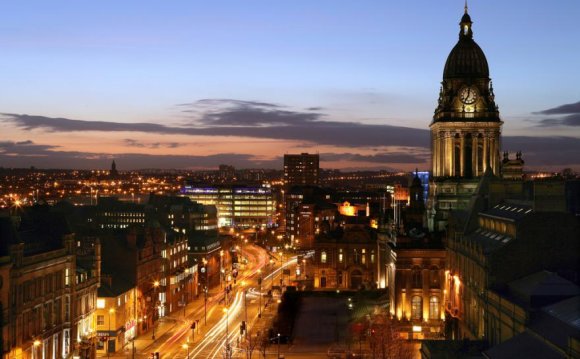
(144, 343)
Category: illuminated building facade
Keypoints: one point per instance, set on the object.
(183, 215)
(419, 281)
(137, 254)
(117, 315)
(346, 258)
(178, 276)
(466, 128)
(511, 230)
(307, 208)
(301, 169)
(111, 213)
(237, 206)
(50, 293)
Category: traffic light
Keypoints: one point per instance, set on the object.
(242, 327)
(193, 325)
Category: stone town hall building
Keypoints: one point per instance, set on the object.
(466, 128)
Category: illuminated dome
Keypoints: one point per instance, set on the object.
(466, 60)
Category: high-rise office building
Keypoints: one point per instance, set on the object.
(301, 169)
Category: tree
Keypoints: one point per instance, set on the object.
(385, 340)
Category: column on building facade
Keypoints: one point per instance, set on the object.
(435, 154)
(449, 154)
(485, 150)
(462, 154)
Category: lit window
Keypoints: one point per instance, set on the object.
(434, 307)
(323, 257)
(416, 307)
(100, 303)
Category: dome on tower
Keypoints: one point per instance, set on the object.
(466, 58)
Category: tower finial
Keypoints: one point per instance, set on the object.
(465, 6)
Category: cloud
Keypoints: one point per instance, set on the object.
(254, 119)
(569, 120)
(25, 148)
(572, 118)
(561, 110)
(386, 157)
(140, 144)
(251, 122)
(27, 153)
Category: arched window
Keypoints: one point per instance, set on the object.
(416, 309)
(417, 282)
(434, 307)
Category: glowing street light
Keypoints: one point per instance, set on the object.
(111, 311)
(260, 297)
(35, 345)
(186, 347)
(155, 286)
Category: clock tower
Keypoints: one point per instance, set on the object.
(466, 128)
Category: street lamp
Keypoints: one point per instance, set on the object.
(155, 286)
(278, 345)
(221, 267)
(35, 345)
(281, 268)
(260, 294)
(111, 311)
(206, 269)
(186, 347)
(227, 327)
(272, 272)
(245, 307)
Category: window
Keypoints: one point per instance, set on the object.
(100, 320)
(434, 277)
(323, 257)
(416, 307)
(434, 307)
(417, 277)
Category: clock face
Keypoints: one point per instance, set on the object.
(468, 95)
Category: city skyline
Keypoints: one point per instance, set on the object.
(196, 85)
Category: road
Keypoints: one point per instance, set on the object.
(245, 302)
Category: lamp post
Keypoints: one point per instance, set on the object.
(186, 347)
(260, 294)
(35, 346)
(281, 268)
(155, 286)
(111, 311)
(278, 345)
(245, 308)
(272, 273)
(205, 291)
(221, 267)
(304, 262)
(227, 328)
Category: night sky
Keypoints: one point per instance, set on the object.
(192, 84)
